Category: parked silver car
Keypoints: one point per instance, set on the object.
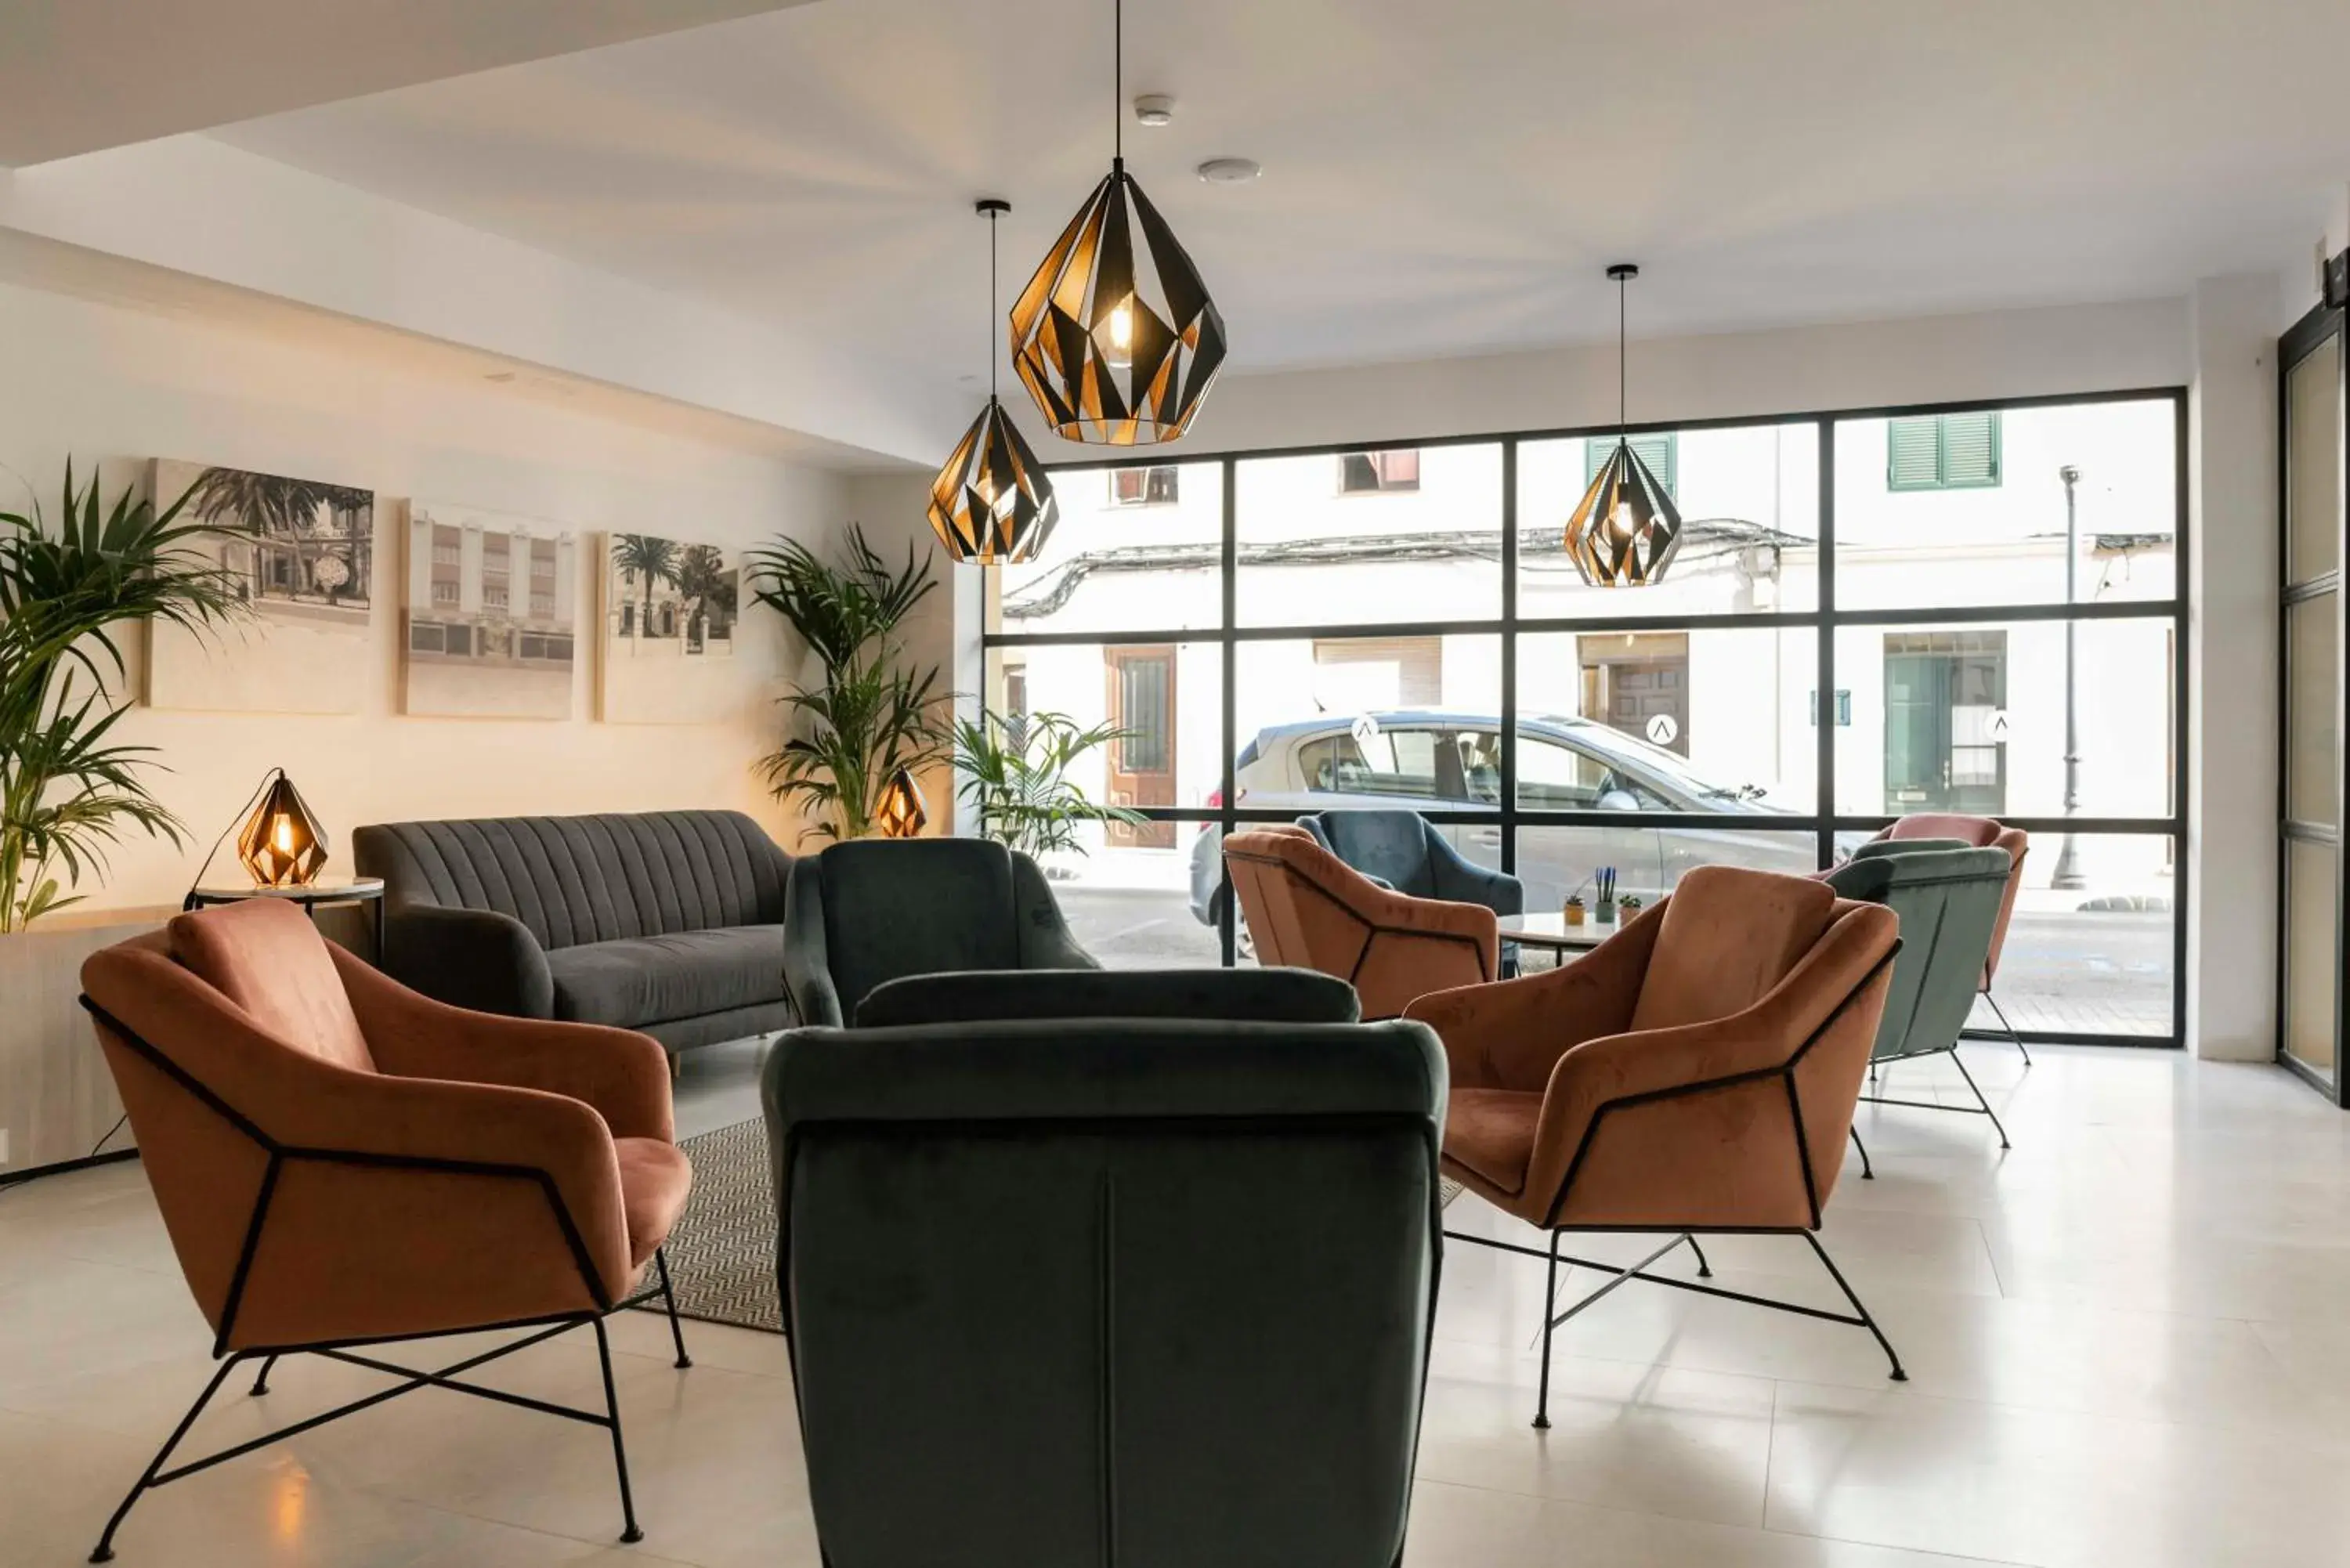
(1435, 760)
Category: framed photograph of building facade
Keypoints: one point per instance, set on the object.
(491, 614)
(670, 610)
(302, 554)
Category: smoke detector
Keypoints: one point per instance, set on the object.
(1229, 170)
(1154, 108)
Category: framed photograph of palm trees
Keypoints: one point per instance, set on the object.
(491, 614)
(301, 553)
(670, 613)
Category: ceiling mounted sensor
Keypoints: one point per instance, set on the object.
(992, 501)
(1154, 108)
(1626, 529)
(1229, 170)
(1116, 338)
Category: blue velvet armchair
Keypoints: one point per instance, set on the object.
(1405, 851)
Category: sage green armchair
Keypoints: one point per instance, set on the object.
(1949, 897)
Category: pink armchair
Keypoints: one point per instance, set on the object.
(340, 1161)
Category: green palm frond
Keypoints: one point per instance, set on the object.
(1015, 776)
(867, 717)
(67, 589)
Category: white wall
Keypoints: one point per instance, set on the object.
(94, 381)
(893, 509)
(201, 207)
(2232, 671)
(2001, 354)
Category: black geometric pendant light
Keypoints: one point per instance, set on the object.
(992, 501)
(1626, 529)
(1116, 337)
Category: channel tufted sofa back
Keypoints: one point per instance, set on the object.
(573, 881)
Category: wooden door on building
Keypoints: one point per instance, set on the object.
(1633, 680)
(1142, 760)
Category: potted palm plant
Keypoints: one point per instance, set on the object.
(69, 789)
(1015, 777)
(867, 714)
(71, 589)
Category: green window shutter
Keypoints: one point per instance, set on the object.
(1913, 454)
(1969, 450)
(1662, 451)
(1942, 452)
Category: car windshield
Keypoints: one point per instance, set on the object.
(1617, 745)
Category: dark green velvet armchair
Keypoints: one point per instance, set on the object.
(867, 912)
(1053, 1283)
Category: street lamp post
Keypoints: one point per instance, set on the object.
(2067, 874)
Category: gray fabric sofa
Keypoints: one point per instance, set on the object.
(668, 922)
(876, 910)
(1161, 1283)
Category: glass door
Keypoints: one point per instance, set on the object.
(2312, 407)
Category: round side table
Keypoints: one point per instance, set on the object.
(358, 890)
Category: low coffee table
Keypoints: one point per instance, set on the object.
(1551, 931)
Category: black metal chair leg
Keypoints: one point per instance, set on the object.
(2017, 1040)
(1993, 1115)
(1549, 1304)
(669, 1299)
(261, 1384)
(1867, 1171)
(104, 1551)
(1869, 1323)
(1704, 1268)
(620, 1450)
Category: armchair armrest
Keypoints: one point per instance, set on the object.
(476, 959)
(623, 1074)
(1511, 1034)
(1419, 945)
(808, 963)
(1461, 879)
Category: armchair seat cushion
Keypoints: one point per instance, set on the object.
(1490, 1133)
(638, 981)
(655, 1177)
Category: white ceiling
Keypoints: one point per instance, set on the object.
(80, 74)
(1441, 179)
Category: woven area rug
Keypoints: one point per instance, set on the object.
(721, 1256)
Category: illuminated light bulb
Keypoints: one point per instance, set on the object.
(1121, 335)
(284, 836)
(1620, 520)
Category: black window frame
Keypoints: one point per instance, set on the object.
(1823, 822)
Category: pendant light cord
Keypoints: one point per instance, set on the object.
(1620, 424)
(991, 215)
(1117, 81)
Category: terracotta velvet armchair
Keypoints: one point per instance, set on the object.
(1977, 833)
(1309, 910)
(341, 1161)
(1696, 1072)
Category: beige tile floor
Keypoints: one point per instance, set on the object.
(2129, 1342)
